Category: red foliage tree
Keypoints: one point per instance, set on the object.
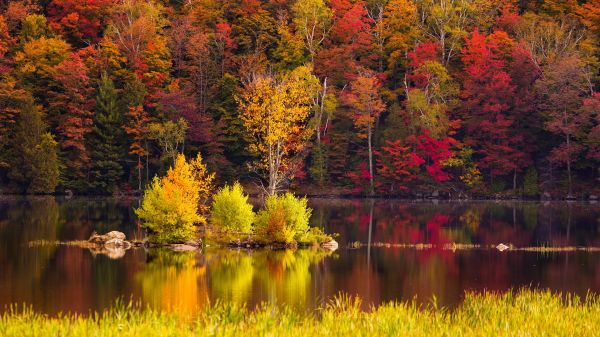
(79, 20)
(397, 166)
(349, 44)
(72, 102)
(488, 93)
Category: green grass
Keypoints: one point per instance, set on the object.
(522, 313)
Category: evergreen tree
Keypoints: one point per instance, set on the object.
(35, 165)
(106, 150)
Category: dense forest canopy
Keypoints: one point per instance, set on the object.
(359, 96)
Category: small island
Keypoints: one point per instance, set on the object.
(175, 210)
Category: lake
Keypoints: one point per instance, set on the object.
(55, 278)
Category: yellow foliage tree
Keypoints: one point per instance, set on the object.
(173, 204)
(275, 112)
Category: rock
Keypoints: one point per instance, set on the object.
(101, 239)
(330, 245)
(593, 197)
(117, 243)
(502, 247)
(435, 194)
(116, 235)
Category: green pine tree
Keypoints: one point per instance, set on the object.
(235, 143)
(105, 140)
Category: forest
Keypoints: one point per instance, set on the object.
(365, 97)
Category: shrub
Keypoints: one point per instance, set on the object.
(283, 219)
(173, 204)
(231, 210)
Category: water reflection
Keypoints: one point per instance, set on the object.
(60, 278)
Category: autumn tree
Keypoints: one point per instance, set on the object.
(562, 88)
(79, 21)
(397, 166)
(348, 46)
(366, 105)
(488, 93)
(71, 104)
(175, 203)
(134, 24)
(170, 136)
(34, 64)
(400, 32)
(275, 111)
(312, 19)
(430, 91)
(137, 129)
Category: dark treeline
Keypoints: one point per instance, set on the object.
(358, 96)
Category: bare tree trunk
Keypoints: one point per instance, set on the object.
(372, 185)
(139, 167)
(569, 164)
(515, 182)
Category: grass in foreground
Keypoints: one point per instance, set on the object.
(524, 313)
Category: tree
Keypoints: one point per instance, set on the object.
(400, 32)
(173, 204)
(134, 24)
(488, 115)
(366, 104)
(79, 21)
(591, 107)
(137, 128)
(275, 112)
(448, 22)
(104, 141)
(12, 99)
(397, 166)
(349, 44)
(71, 104)
(170, 136)
(430, 91)
(35, 163)
(34, 27)
(562, 88)
(34, 65)
(312, 19)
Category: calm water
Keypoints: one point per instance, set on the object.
(60, 278)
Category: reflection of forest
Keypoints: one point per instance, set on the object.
(519, 223)
(68, 278)
(383, 274)
(53, 278)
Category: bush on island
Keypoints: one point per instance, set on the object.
(173, 204)
(231, 211)
(283, 219)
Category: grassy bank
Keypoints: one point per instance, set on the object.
(526, 313)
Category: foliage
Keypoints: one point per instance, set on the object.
(231, 211)
(283, 219)
(307, 90)
(35, 162)
(175, 203)
(275, 112)
(170, 135)
(106, 170)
